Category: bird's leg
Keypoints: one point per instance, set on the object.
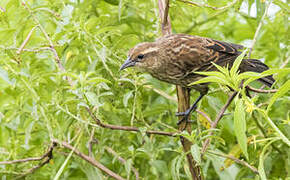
(186, 114)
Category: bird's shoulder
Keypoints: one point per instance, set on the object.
(196, 53)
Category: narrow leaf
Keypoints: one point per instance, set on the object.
(281, 91)
(240, 126)
(237, 63)
(210, 79)
(195, 152)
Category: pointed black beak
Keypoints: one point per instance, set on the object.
(127, 63)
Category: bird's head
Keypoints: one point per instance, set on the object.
(144, 56)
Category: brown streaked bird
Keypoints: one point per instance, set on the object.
(174, 59)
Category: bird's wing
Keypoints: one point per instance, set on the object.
(220, 53)
(223, 47)
(193, 53)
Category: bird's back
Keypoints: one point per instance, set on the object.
(182, 55)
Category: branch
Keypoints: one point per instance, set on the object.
(261, 90)
(47, 154)
(163, 14)
(258, 29)
(205, 116)
(126, 128)
(182, 96)
(89, 159)
(52, 47)
(285, 63)
(252, 168)
(26, 40)
(32, 170)
(209, 6)
(218, 118)
(110, 150)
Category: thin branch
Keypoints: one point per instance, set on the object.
(122, 160)
(261, 90)
(252, 168)
(2, 9)
(262, 129)
(163, 14)
(218, 118)
(162, 93)
(285, 63)
(33, 169)
(52, 47)
(205, 116)
(127, 128)
(209, 6)
(258, 29)
(89, 159)
(91, 141)
(26, 40)
(47, 154)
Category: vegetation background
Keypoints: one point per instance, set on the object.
(59, 60)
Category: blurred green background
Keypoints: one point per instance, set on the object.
(92, 38)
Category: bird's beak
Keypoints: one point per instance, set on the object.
(127, 63)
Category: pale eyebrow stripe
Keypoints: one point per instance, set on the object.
(151, 49)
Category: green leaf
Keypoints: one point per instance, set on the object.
(246, 75)
(281, 91)
(237, 63)
(261, 160)
(240, 126)
(92, 98)
(195, 152)
(212, 73)
(4, 76)
(126, 98)
(98, 80)
(210, 79)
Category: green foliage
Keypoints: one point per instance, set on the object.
(40, 101)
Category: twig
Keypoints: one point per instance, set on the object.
(218, 118)
(2, 9)
(261, 90)
(209, 6)
(162, 93)
(91, 141)
(26, 40)
(261, 128)
(205, 116)
(48, 156)
(52, 47)
(48, 153)
(252, 168)
(127, 128)
(259, 28)
(285, 63)
(33, 169)
(163, 14)
(165, 19)
(89, 159)
(122, 160)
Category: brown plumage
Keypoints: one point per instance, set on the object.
(174, 59)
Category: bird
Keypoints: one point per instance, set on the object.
(175, 58)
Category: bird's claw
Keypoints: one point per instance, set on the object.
(185, 115)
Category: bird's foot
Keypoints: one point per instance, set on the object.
(185, 115)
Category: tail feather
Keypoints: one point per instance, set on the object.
(255, 65)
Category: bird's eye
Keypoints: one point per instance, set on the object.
(140, 56)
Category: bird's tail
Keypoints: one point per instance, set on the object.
(255, 65)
